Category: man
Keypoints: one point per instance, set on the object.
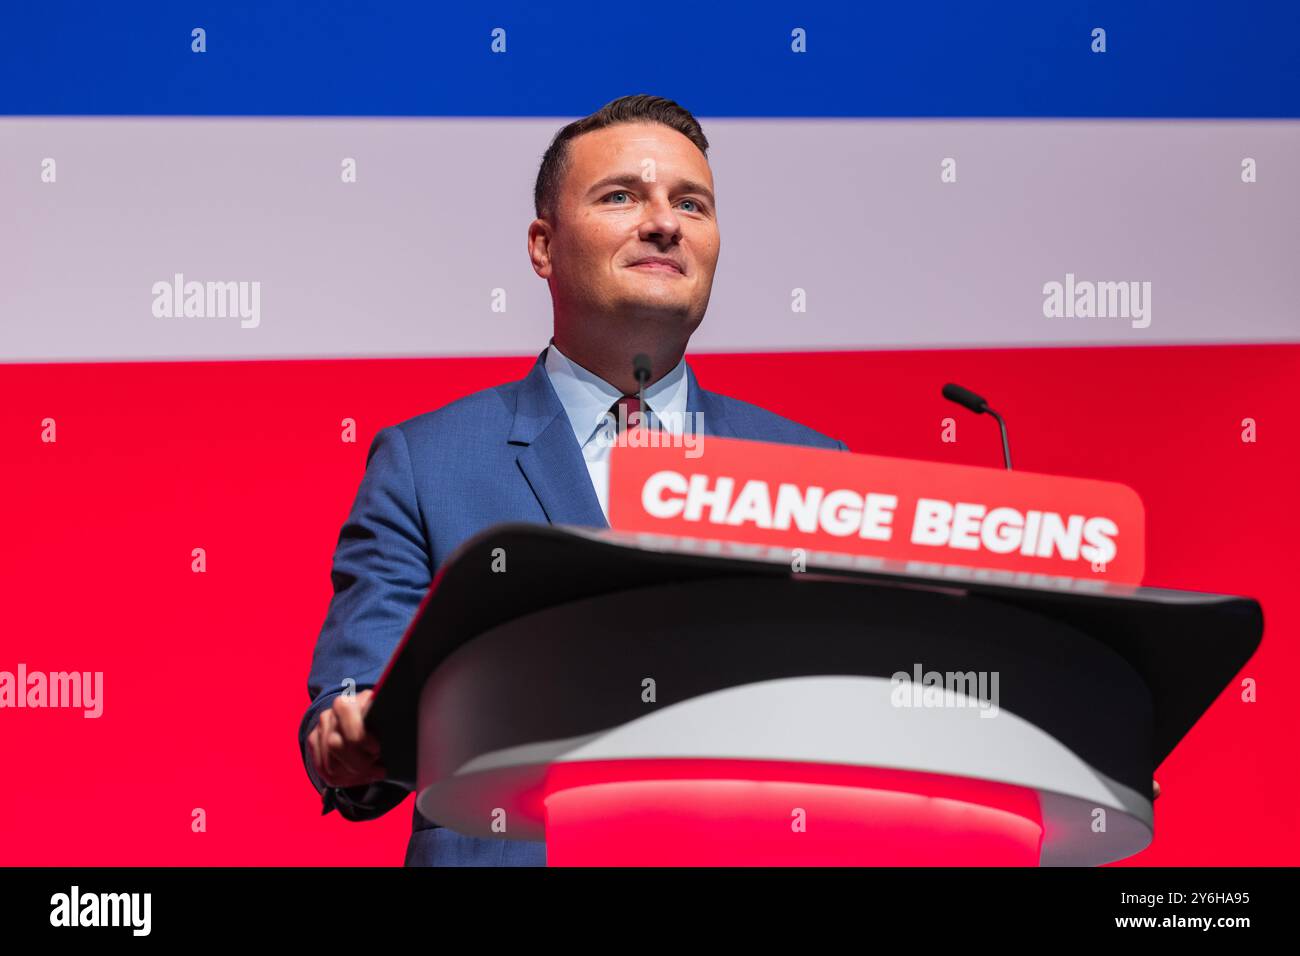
(626, 236)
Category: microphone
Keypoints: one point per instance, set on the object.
(968, 399)
(641, 369)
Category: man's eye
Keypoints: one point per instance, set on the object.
(694, 203)
(619, 193)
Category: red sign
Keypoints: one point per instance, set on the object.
(897, 508)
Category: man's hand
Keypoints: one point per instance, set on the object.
(342, 752)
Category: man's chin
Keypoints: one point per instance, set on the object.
(656, 310)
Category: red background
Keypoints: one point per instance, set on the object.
(205, 674)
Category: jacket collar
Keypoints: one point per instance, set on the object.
(550, 458)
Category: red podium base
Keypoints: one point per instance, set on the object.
(759, 813)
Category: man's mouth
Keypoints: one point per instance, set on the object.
(658, 264)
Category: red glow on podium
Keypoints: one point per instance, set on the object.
(758, 813)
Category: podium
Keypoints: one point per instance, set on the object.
(645, 699)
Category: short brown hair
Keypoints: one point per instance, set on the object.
(639, 108)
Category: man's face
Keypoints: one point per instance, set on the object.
(633, 192)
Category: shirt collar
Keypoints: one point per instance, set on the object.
(587, 397)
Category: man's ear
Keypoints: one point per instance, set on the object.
(539, 247)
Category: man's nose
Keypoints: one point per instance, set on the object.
(660, 221)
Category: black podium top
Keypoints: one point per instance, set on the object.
(1186, 646)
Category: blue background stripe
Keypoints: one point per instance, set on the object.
(927, 58)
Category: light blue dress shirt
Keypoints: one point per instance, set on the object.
(587, 399)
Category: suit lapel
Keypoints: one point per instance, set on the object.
(552, 462)
(714, 415)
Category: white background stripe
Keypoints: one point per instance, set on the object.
(853, 211)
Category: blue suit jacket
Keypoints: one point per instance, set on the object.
(503, 454)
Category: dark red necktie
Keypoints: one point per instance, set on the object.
(624, 408)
